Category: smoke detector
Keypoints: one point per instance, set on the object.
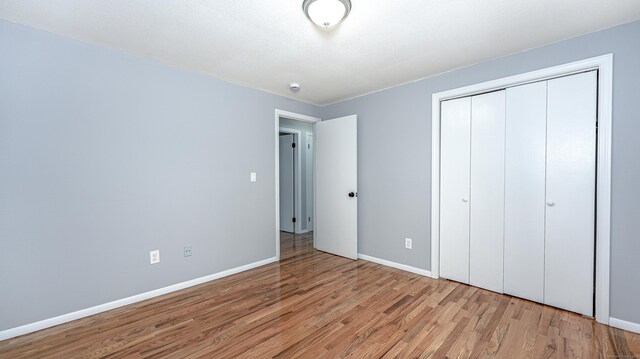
(294, 87)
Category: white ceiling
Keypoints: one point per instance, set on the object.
(267, 44)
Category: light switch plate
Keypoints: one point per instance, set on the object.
(154, 256)
(254, 177)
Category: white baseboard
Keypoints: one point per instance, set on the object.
(29, 328)
(623, 324)
(403, 267)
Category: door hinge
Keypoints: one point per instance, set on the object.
(293, 219)
(308, 146)
(293, 145)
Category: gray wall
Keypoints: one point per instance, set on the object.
(394, 148)
(105, 156)
(304, 128)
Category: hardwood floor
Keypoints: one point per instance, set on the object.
(315, 305)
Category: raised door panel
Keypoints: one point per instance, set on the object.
(454, 189)
(570, 217)
(526, 130)
(487, 191)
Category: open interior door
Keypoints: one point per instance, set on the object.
(336, 192)
(287, 180)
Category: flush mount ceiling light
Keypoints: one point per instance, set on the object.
(326, 13)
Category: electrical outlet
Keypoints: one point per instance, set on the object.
(154, 256)
(187, 251)
(254, 177)
(408, 243)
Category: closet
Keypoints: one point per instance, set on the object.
(517, 200)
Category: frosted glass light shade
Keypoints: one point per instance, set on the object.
(326, 13)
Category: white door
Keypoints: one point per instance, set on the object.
(336, 179)
(455, 160)
(486, 199)
(526, 136)
(309, 154)
(570, 218)
(287, 188)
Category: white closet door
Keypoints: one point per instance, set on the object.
(526, 131)
(309, 180)
(571, 154)
(454, 188)
(487, 190)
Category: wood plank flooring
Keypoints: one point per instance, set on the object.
(315, 305)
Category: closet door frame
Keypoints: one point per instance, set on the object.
(604, 65)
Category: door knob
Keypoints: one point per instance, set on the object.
(352, 194)
(465, 199)
(550, 204)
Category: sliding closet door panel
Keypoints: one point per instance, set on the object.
(526, 133)
(487, 190)
(571, 154)
(454, 189)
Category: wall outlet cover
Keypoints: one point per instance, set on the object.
(154, 256)
(187, 251)
(254, 177)
(408, 243)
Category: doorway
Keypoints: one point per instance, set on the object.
(294, 178)
(325, 154)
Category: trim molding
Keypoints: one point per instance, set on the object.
(387, 263)
(296, 116)
(604, 64)
(623, 324)
(43, 324)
